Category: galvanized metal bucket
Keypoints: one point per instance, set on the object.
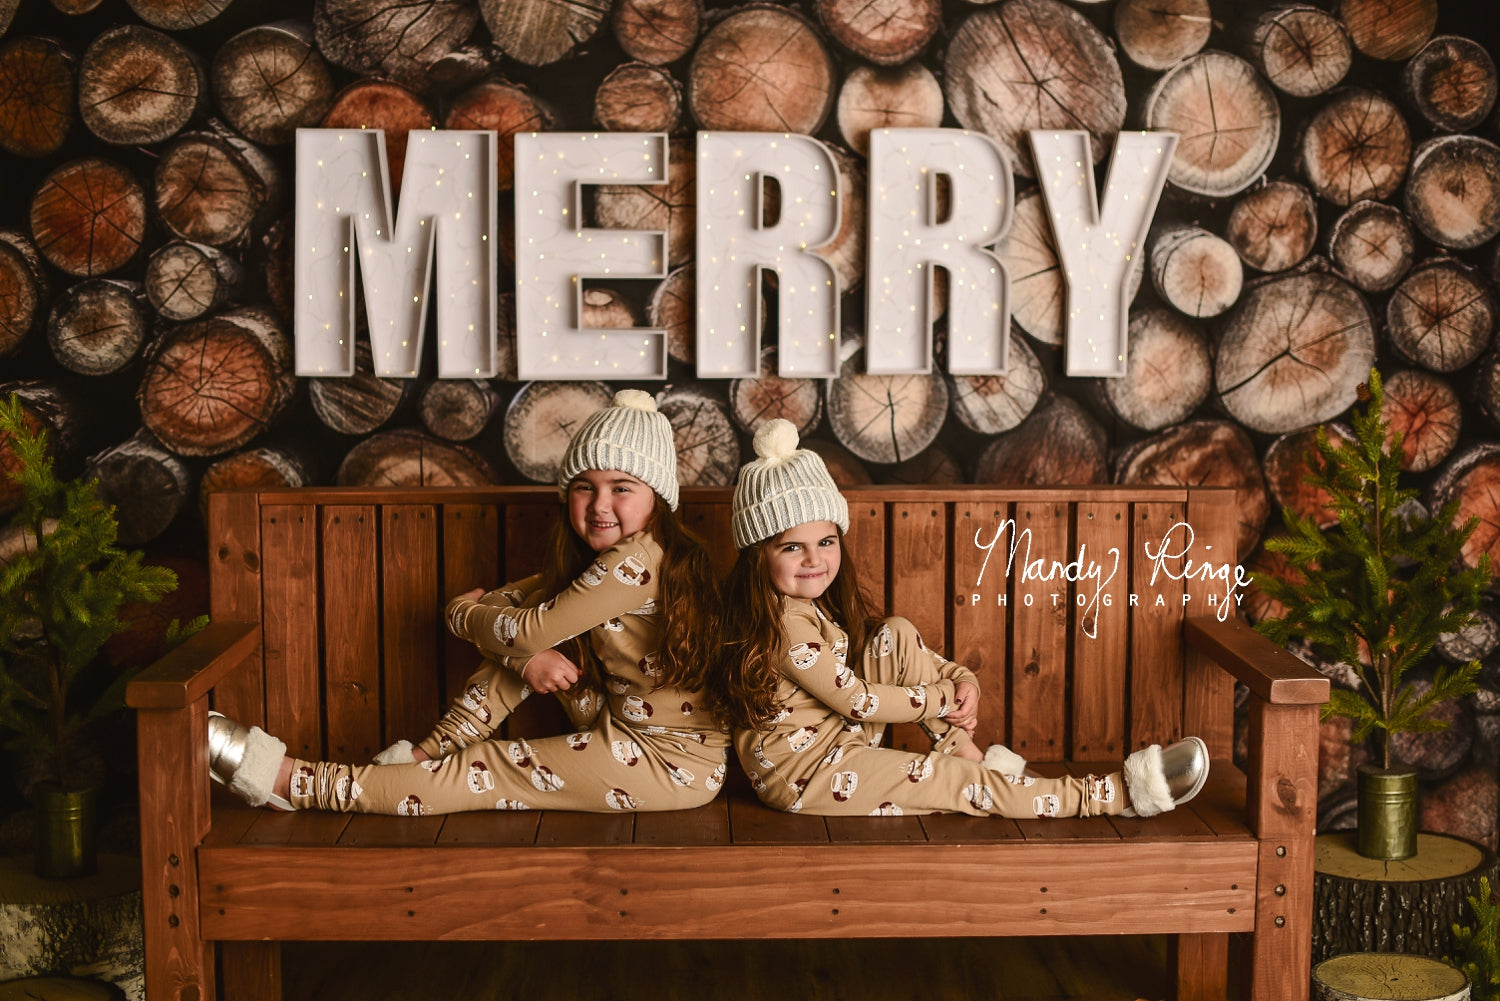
(1387, 812)
(66, 831)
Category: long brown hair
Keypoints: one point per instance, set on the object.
(742, 687)
(687, 597)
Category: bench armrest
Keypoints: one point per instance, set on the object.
(188, 671)
(1268, 670)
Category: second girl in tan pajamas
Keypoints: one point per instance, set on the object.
(643, 603)
(808, 682)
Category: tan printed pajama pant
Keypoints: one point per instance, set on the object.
(613, 766)
(491, 694)
(858, 779)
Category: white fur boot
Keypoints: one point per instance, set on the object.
(245, 760)
(1158, 778)
(1002, 759)
(398, 753)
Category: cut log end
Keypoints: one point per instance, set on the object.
(37, 102)
(1442, 316)
(212, 385)
(657, 31)
(89, 217)
(1425, 411)
(761, 69)
(409, 458)
(1293, 351)
(1302, 50)
(1356, 147)
(1274, 227)
(1157, 33)
(753, 402)
(1453, 193)
(1196, 272)
(98, 326)
(1451, 83)
(1389, 29)
(883, 32)
(270, 81)
(885, 418)
(1228, 118)
(1034, 64)
(903, 97)
(1373, 245)
(708, 451)
(638, 97)
(1168, 371)
(136, 86)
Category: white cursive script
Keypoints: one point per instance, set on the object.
(1041, 569)
(1231, 575)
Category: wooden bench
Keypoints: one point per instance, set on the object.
(327, 629)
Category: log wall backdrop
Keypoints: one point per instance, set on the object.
(1334, 201)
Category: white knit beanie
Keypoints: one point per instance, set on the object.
(785, 487)
(631, 436)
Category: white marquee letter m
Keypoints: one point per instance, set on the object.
(345, 221)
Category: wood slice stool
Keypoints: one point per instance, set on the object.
(59, 989)
(1387, 976)
(1408, 905)
(88, 927)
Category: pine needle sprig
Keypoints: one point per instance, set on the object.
(1478, 950)
(63, 581)
(1376, 590)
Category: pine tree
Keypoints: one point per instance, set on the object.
(62, 582)
(1376, 590)
(1478, 950)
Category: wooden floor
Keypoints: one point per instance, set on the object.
(1122, 968)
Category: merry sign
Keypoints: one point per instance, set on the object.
(442, 242)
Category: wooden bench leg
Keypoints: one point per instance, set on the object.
(1281, 946)
(1202, 966)
(252, 970)
(174, 819)
(1283, 801)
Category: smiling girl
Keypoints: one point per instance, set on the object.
(808, 681)
(632, 585)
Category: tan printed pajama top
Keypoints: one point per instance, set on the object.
(649, 749)
(820, 755)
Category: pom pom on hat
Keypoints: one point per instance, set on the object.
(776, 440)
(637, 398)
(785, 487)
(631, 436)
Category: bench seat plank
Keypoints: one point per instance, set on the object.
(704, 825)
(559, 827)
(368, 830)
(491, 827)
(753, 823)
(231, 819)
(310, 828)
(875, 830)
(1221, 804)
(745, 891)
(947, 828)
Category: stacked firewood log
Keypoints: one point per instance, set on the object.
(1334, 203)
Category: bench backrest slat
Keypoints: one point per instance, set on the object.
(350, 587)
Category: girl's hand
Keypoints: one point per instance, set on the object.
(965, 713)
(473, 595)
(550, 671)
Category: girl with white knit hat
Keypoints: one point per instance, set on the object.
(808, 681)
(625, 579)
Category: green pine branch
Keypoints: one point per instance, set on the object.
(60, 599)
(1478, 952)
(1378, 589)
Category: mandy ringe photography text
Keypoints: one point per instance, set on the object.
(1093, 576)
